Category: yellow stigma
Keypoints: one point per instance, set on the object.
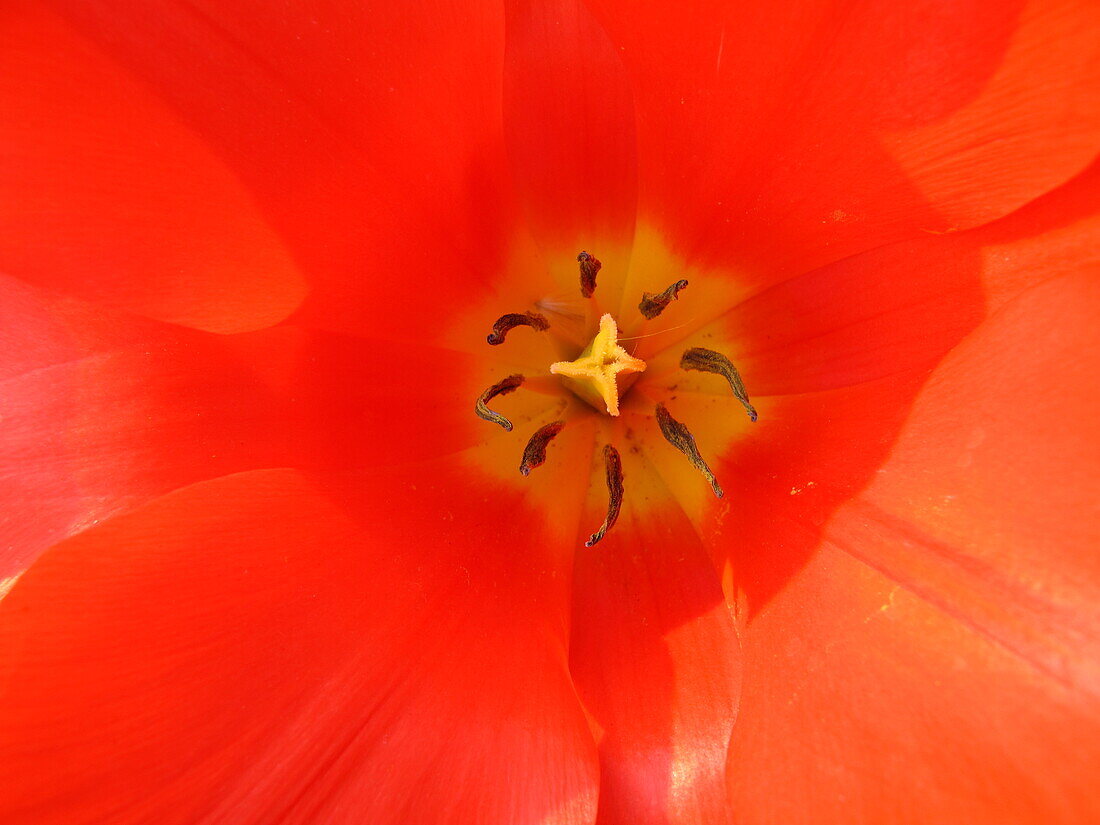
(593, 375)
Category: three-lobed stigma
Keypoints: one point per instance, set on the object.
(594, 375)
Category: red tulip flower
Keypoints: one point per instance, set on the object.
(818, 283)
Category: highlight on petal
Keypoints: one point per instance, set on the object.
(109, 196)
(269, 647)
(656, 661)
(103, 412)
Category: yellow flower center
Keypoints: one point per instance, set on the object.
(594, 376)
(682, 390)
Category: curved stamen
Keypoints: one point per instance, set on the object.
(679, 437)
(654, 303)
(515, 319)
(509, 384)
(590, 265)
(534, 454)
(707, 360)
(614, 467)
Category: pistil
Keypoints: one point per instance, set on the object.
(594, 375)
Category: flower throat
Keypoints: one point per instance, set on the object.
(600, 375)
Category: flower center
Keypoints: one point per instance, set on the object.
(600, 375)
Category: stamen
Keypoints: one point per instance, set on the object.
(614, 467)
(707, 360)
(654, 303)
(679, 437)
(534, 454)
(590, 265)
(504, 387)
(515, 319)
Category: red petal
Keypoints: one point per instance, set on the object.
(906, 305)
(943, 664)
(778, 137)
(656, 662)
(268, 648)
(370, 137)
(901, 306)
(110, 197)
(982, 508)
(102, 412)
(816, 445)
(569, 123)
(864, 703)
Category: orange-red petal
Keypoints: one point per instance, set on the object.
(272, 647)
(657, 662)
(923, 635)
(111, 197)
(569, 125)
(775, 138)
(368, 137)
(101, 412)
(863, 702)
(986, 504)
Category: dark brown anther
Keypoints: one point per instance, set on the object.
(679, 437)
(534, 454)
(516, 319)
(504, 387)
(590, 265)
(614, 467)
(707, 360)
(654, 303)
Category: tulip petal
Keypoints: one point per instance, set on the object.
(779, 137)
(864, 703)
(901, 306)
(840, 380)
(656, 662)
(272, 648)
(924, 621)
(108, 196)
(569, 126)
(101, 412)
(993, 528)
(369, 135)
